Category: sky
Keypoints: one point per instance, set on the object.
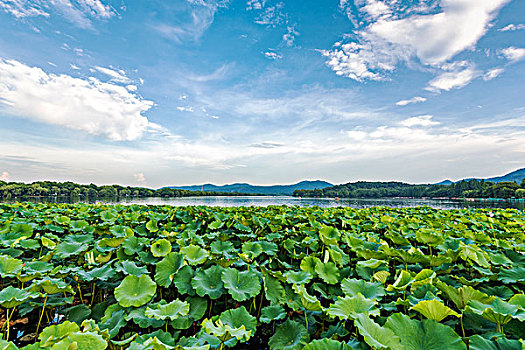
(157, 93)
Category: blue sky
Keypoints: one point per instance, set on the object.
(193, 91)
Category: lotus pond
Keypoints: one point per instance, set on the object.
(80, 276)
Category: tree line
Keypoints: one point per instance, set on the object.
(463, 189)
(60, 189)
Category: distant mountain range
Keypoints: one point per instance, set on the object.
(252, 189)
(515, 176)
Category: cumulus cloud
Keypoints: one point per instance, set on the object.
(454, 76)
(493, 73)
(185, 109)
(79, 12)
(513, 54)
(4, 176)
(272, 55)
(390, 32)
(118, 76)
(87, 105)
(422, 120)
(416, 99)
(289, 37)
(512, 27)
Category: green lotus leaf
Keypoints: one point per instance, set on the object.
(102, 273)
(349, 307)
(471, 252)
(7, 345)
(167, 268)
(51, 286)
(198, 308)
(498, 312)
(170, 311)
(209, 282)
(462, 295)
(66, 249)
(423, 335)
(329, 235)
(404, 279)
(298, 277)
(327, 344)
(425, 276)
(77, 313)
(133, 245)
(195, 255)
(111, 242)
(290, 335)
(429, 237)
(11, 296)
(242, 228)
(78, 225)
(221, 247)
(113, 319)
(477, 342)
(269, 248)
(182, 280)
(309, 301)
(376, 336)
(161, 247)
(309, 263)
(30, 244)
(130, 268)
(519, 300)
(252, 249)
(328, 272)
(273, 289)
(138, 316)
(87, 341)
(215, 225)
(272, 313)
(9, 266)
(369, 290)
(434, 310)
(381, 276)
(46, 242)
(135, 291)
(53, 334)
(62, 220)
(241, 285)
(151, 226)
(512, 275)
(236, 318)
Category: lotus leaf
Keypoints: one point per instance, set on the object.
(78, 225)
(423, 335)
(167, 268)
(329, 235)
(471, 252)
(381, 276)
(195, 255)
(152, 226)
(298, 277)
(209, 282)
(9, 266)
(309, 301)
(272, 313)
(221, 247)
(138, 316)
(87, 341)
(133, 245)
(269, 248)
(113, 319)
(170, 311)
(349, 307)
(404, 279)
(376, 336)
(498, 312)
(183, 279)
(425, 276)
(252, 249)
(225, 332)
(479, 343)
(11, 297)
(352, 287)
(513, 275)
(236, 318)
(53, 334)
(241, 285)
(51, 286)
(328, 272)
(327, 344)
(130, 268)
(289, 335)
(161, 248)
(309, 263)
(77, 313)
(273, 290)
(198, 307)
(135, 291)
(434, 310)
(67, 249)
(462, 295)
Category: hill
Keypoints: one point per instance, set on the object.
(253, 189)
(514, 176)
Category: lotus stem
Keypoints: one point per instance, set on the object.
(80, 292)
(92, 294)
(306, 320)
(41, 314)
(211, 305)
(260, 306)
(461, 322)
(7, 321)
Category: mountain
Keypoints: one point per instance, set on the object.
(515, 176)
(252, 189)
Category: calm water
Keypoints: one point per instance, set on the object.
(234, 201)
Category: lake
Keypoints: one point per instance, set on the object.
(236, 201)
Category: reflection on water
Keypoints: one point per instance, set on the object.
(263, 201)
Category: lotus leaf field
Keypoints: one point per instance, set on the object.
(101, 276)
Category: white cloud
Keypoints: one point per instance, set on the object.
(289, 37)
(87, 105)
(512, 27)
(185, 109)
(455, 75)
(513, 54)
(4, 176)
(202, 14)
(272, 55)
(493, 73)
(116, 76)
(140, 178)
(416, 99)
(79, 12)
(422, 120)
(391, 33)
(74, 67)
